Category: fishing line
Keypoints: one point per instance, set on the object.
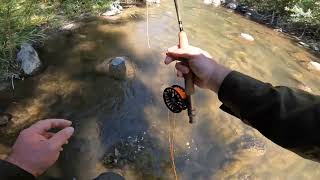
(172, 125)
(148, 38)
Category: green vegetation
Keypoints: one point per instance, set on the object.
(27, 20)
(300, 16)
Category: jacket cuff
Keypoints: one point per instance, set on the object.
(225, 94)
(10, 171)
(234, 91)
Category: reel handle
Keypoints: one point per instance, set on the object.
(189, 85)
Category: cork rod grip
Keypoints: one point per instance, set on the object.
(189, 85)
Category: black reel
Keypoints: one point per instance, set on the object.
(175, 98)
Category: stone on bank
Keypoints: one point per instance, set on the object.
(114, 9)
(29, 59)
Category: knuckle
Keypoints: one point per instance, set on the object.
(51, 147)
(24, 132)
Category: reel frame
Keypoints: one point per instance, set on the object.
(175, 98)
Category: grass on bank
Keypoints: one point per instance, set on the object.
(27, 21)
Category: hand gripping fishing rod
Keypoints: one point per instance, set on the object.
(175, 97)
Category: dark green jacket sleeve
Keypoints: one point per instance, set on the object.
(288, 117)
(10, 171)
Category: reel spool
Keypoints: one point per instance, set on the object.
(175, 98)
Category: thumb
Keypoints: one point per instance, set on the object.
(60, 138)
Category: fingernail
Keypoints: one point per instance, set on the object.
(70, 130)
(167, 60)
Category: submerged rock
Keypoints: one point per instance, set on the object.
(247, 37)
(249, 146)
(135, 150)
(29, 59)
(118, 68)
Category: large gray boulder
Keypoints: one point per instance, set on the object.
(29, 59)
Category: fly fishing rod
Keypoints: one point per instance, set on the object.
(175, 97)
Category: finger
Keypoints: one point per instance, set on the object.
(168, 60)
(48, 135)
(60, 138)
(179, 74)
(182, 68)
(45, 125)
(173, 48)
(180, 53)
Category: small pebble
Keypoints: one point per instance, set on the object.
(247, 37)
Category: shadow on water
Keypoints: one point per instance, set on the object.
(104, 111)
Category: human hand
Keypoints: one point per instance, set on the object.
(36, 149)
(208, 73)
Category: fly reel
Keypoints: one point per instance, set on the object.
(175, 98)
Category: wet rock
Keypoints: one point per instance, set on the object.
(247, 37)
(109, 176)
(5, 119)
(70, 27)
(114, 9)
(242, 9)
(278, 30)
(315, 46)
(29, 59)
(135, 150)
(215, 3)
(207, 2)
(232, 5)
(303, 44)
(314, 66)
(118, 68)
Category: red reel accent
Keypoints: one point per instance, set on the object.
(175, 98)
